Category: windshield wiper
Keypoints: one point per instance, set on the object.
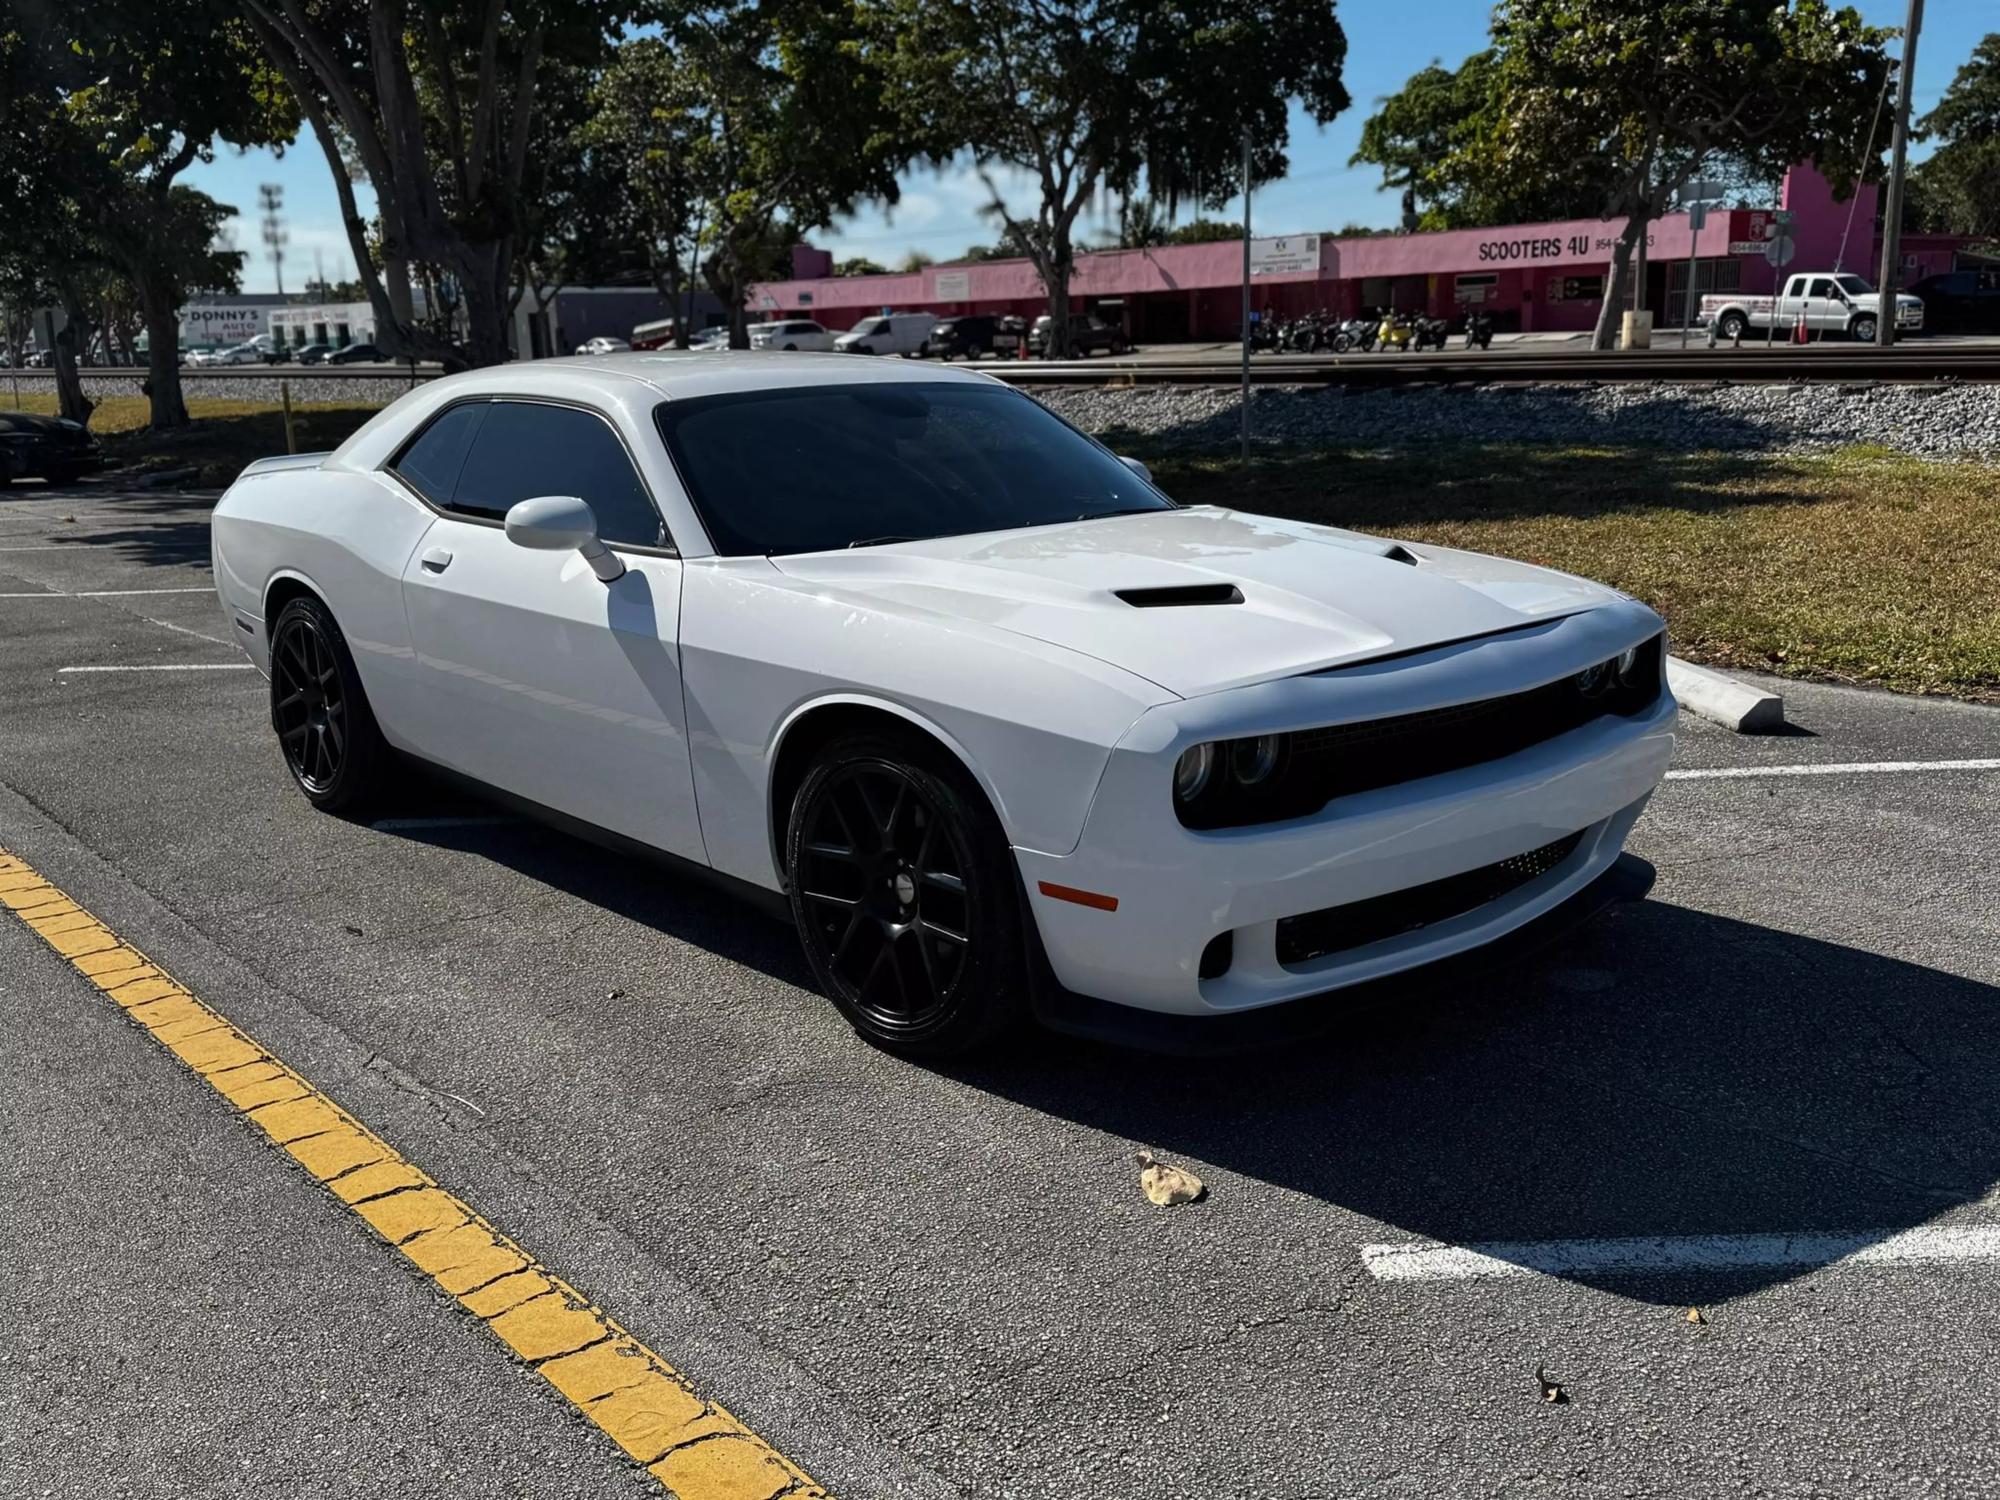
(881, 541)
(1105, 515)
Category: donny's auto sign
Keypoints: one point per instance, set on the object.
(204, 324)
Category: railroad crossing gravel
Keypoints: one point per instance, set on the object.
(1940, 422)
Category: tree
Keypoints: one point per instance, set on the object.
(113, 104)
(1648, 92)
(1011, 246)
(436, 101)
(914, 261)
(860, 265)
(1092, 96)
(1437, 142)
(1204, 232)
(1956, 190)
(747, 122)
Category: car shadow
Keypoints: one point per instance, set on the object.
(1663, 1072)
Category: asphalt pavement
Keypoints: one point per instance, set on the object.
(939, 1282)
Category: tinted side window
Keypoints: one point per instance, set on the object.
(525, 449)
(430, 465)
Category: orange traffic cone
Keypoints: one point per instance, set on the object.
(1799, 334)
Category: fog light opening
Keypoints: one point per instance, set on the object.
(1218, 955)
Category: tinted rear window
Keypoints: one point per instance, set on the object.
(430, 465)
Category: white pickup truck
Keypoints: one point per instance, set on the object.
(1832, 301)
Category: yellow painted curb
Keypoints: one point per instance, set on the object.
(692, 1446)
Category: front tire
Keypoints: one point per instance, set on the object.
(1862, 330)
(325, 728)
(905, 897)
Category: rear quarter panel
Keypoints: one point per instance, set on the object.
(347, 536)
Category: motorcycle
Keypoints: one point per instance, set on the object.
(1478, 330)
(1430, 333)
(1355, 333)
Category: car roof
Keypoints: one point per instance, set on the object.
(617, 378)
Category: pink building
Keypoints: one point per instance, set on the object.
(1532, 277)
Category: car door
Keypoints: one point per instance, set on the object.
(542, 680)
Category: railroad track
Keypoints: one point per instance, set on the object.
(1835, 363)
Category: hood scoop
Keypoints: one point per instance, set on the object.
(1181, 595)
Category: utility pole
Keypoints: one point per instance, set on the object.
(1892, 214)
(1246, 296)
(272, 196)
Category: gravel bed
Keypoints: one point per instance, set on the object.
(1947, 422)
(1940, 421)
(234, 386)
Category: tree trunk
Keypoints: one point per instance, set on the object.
(70, 399)
(163, 353)
(1639, 274)
(1606, 335)
(1055, 279)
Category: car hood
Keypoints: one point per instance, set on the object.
(1312, 596)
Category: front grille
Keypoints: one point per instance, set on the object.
(1335, 929)
(1320, 765)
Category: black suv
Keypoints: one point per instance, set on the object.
(972, 335)
(1961, 301)
(1088, 334)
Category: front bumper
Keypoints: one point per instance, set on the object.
(1177, 888)
(1627, 878)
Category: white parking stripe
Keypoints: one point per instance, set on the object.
(180, 666)
(107, 593)
(1428, 1260)
(1833, 768)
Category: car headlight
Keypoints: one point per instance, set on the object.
(1253, 760)
(1192, 771)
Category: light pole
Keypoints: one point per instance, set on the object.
(272, 196)
(1892, 213)
(1246, 296)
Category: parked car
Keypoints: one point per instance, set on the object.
(1965, 301)
(1000, 726)
(972, 334)
(708, 339)
(40, 359)
(236, 354)
(791, 334)
(1088, 334)
(891, 333)
(314, 353)
(356, 354)
(604, 344)
(52, 448)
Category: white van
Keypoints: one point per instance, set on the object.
(891, 333)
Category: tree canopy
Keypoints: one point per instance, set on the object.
(1956, 190)
(1094, 96)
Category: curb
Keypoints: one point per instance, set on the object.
(1724, 700)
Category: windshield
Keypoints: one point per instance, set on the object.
(1851, 283)
(814, 468)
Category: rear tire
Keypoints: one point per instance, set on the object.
(325, 728)
(906, 898)
(1732, 326)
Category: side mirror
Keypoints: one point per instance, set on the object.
(1137, 468)
(561, 523)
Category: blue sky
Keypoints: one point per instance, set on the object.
(1387, 40)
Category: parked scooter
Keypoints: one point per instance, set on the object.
(1396, 331)
(1478, 328)
(1429, 333)
(1355, 333)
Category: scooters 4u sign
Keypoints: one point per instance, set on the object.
(1552, 247)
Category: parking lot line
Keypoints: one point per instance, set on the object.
(1832, 768)
(106, 593)
(694, 1447)
(1428, 1260)
(174, 666)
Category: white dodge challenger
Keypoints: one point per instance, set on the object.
(1004, 728)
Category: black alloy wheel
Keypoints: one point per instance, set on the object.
(905, 897)
(332, 747)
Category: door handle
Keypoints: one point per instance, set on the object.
(436, 559)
